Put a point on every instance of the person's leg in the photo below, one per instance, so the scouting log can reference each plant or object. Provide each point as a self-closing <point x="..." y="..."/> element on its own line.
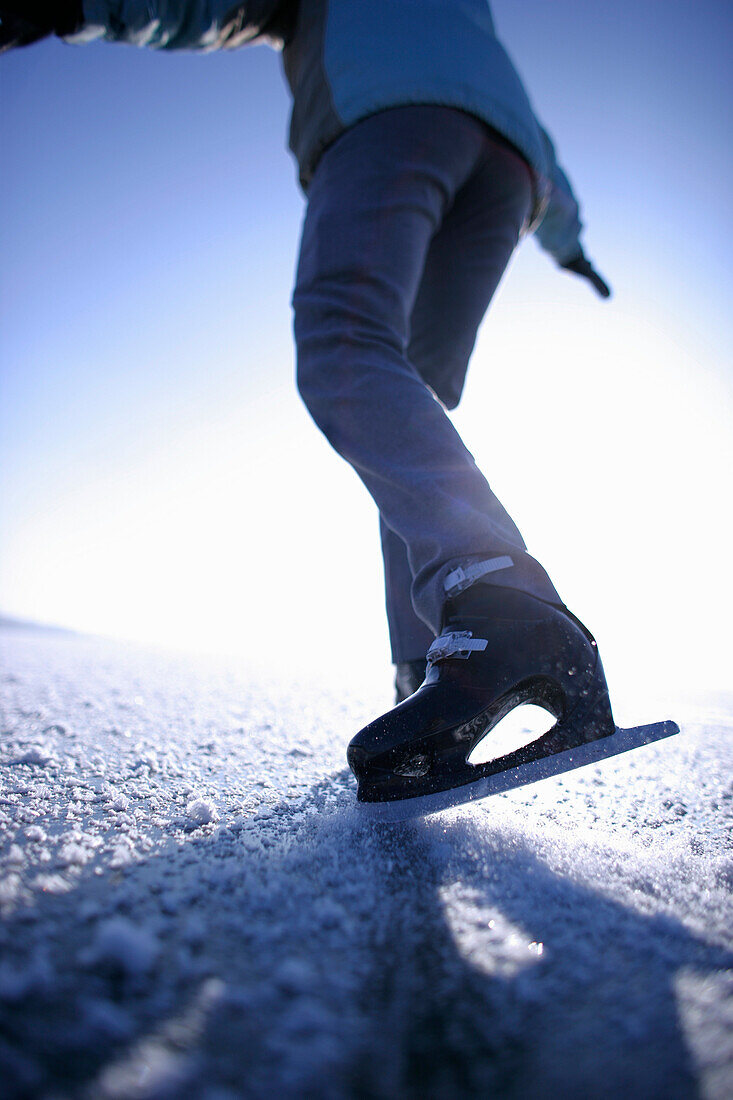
<point x="378" y="197"/>
<point x="464" y="264"/>
<point x="409" y="637"/>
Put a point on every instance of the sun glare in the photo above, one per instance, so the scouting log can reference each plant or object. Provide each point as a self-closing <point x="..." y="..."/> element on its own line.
<point x="244" y="534"/>
<point x="520" y="727"/>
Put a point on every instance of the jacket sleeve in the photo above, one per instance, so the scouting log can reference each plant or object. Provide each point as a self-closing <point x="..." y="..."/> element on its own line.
<point x="559" y="231"/>
<point x="201" y="25"/>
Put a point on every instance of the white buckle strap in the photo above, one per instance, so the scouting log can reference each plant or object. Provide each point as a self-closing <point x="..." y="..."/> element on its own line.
<point x="459" y="643"/>
<point x="464" y="576"/>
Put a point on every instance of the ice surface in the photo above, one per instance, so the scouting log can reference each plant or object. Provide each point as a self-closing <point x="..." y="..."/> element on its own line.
<point x="193" y="907"/>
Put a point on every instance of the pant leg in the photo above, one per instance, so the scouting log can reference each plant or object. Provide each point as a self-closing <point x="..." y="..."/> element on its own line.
<point x="455" y="292"/>
<point x="464" y="266"/>
<point x="378" y="197"/>
<point x="409" y="637"/>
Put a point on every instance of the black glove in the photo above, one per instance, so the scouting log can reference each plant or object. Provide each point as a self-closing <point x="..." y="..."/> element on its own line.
<point x="25" y="21"/>
<point x="16" y="32"/>
<point x="580" y="266"/>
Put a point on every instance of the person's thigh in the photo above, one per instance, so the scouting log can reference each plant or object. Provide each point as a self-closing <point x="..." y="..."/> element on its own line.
<point x="464" y="265"/>
<point x="378" y="197"/>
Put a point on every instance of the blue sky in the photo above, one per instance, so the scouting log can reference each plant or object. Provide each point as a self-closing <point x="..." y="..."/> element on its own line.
<point x="159" y="477"/>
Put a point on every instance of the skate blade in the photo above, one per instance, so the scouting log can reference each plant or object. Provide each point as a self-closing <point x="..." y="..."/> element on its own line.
<point x="591" y="753"/>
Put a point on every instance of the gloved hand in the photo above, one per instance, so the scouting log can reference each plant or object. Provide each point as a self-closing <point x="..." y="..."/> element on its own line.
<point x="579" y="265"/>
<point x="16" y="32"/>
<point x="25" y="21"/>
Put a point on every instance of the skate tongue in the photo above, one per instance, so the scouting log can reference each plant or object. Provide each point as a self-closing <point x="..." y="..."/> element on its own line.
<point x="457" y="643"/>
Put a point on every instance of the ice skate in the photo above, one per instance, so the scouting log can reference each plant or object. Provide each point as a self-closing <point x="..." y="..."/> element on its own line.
<point x="499" y="648"/>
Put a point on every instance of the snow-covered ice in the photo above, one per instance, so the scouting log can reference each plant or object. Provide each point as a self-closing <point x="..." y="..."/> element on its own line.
<point x="194" y="907"/>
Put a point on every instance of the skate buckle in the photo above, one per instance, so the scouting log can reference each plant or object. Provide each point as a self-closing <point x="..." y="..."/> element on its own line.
<point x="463" y="577"/>
<point x="458" y="643"/>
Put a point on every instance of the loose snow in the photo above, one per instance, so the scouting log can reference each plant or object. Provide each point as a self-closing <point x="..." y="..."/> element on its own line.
<point x="194" y="906"/>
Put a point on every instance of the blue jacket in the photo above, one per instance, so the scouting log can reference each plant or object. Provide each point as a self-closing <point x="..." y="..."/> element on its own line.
<point x="346" y="59"/>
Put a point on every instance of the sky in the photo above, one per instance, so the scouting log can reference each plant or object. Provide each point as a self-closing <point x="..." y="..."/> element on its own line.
<point x="159" y="477"/>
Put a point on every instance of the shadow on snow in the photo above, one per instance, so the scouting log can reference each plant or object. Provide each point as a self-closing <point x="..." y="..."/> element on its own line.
<point x="325" y="956"/>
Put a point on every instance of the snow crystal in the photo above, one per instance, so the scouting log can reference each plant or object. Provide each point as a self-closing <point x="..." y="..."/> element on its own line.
<point x="35" y="755"/>
<point x="83" y="794"/>
<point x="35" y="833"/>
<point x="147" y="761"/>
<point x="10" y="886"/>
<point x="122" y="945"/>
<point x="52" y="884"/>
<point x="123" y="854"/>
<point x="201" y="811"/>
<point x="73" y="854"/>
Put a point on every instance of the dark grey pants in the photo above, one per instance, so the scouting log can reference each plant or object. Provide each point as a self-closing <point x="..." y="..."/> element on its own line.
<point x="412" y="217"/>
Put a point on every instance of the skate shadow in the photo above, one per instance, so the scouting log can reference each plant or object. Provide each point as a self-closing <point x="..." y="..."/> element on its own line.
<point x="316" y="954"/>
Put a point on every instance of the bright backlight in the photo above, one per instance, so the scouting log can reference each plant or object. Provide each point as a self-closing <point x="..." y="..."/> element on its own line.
<point x="520" y="727"/>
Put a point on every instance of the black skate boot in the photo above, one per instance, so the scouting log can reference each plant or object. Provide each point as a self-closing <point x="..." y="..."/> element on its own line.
<point x="499" y="648"/>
